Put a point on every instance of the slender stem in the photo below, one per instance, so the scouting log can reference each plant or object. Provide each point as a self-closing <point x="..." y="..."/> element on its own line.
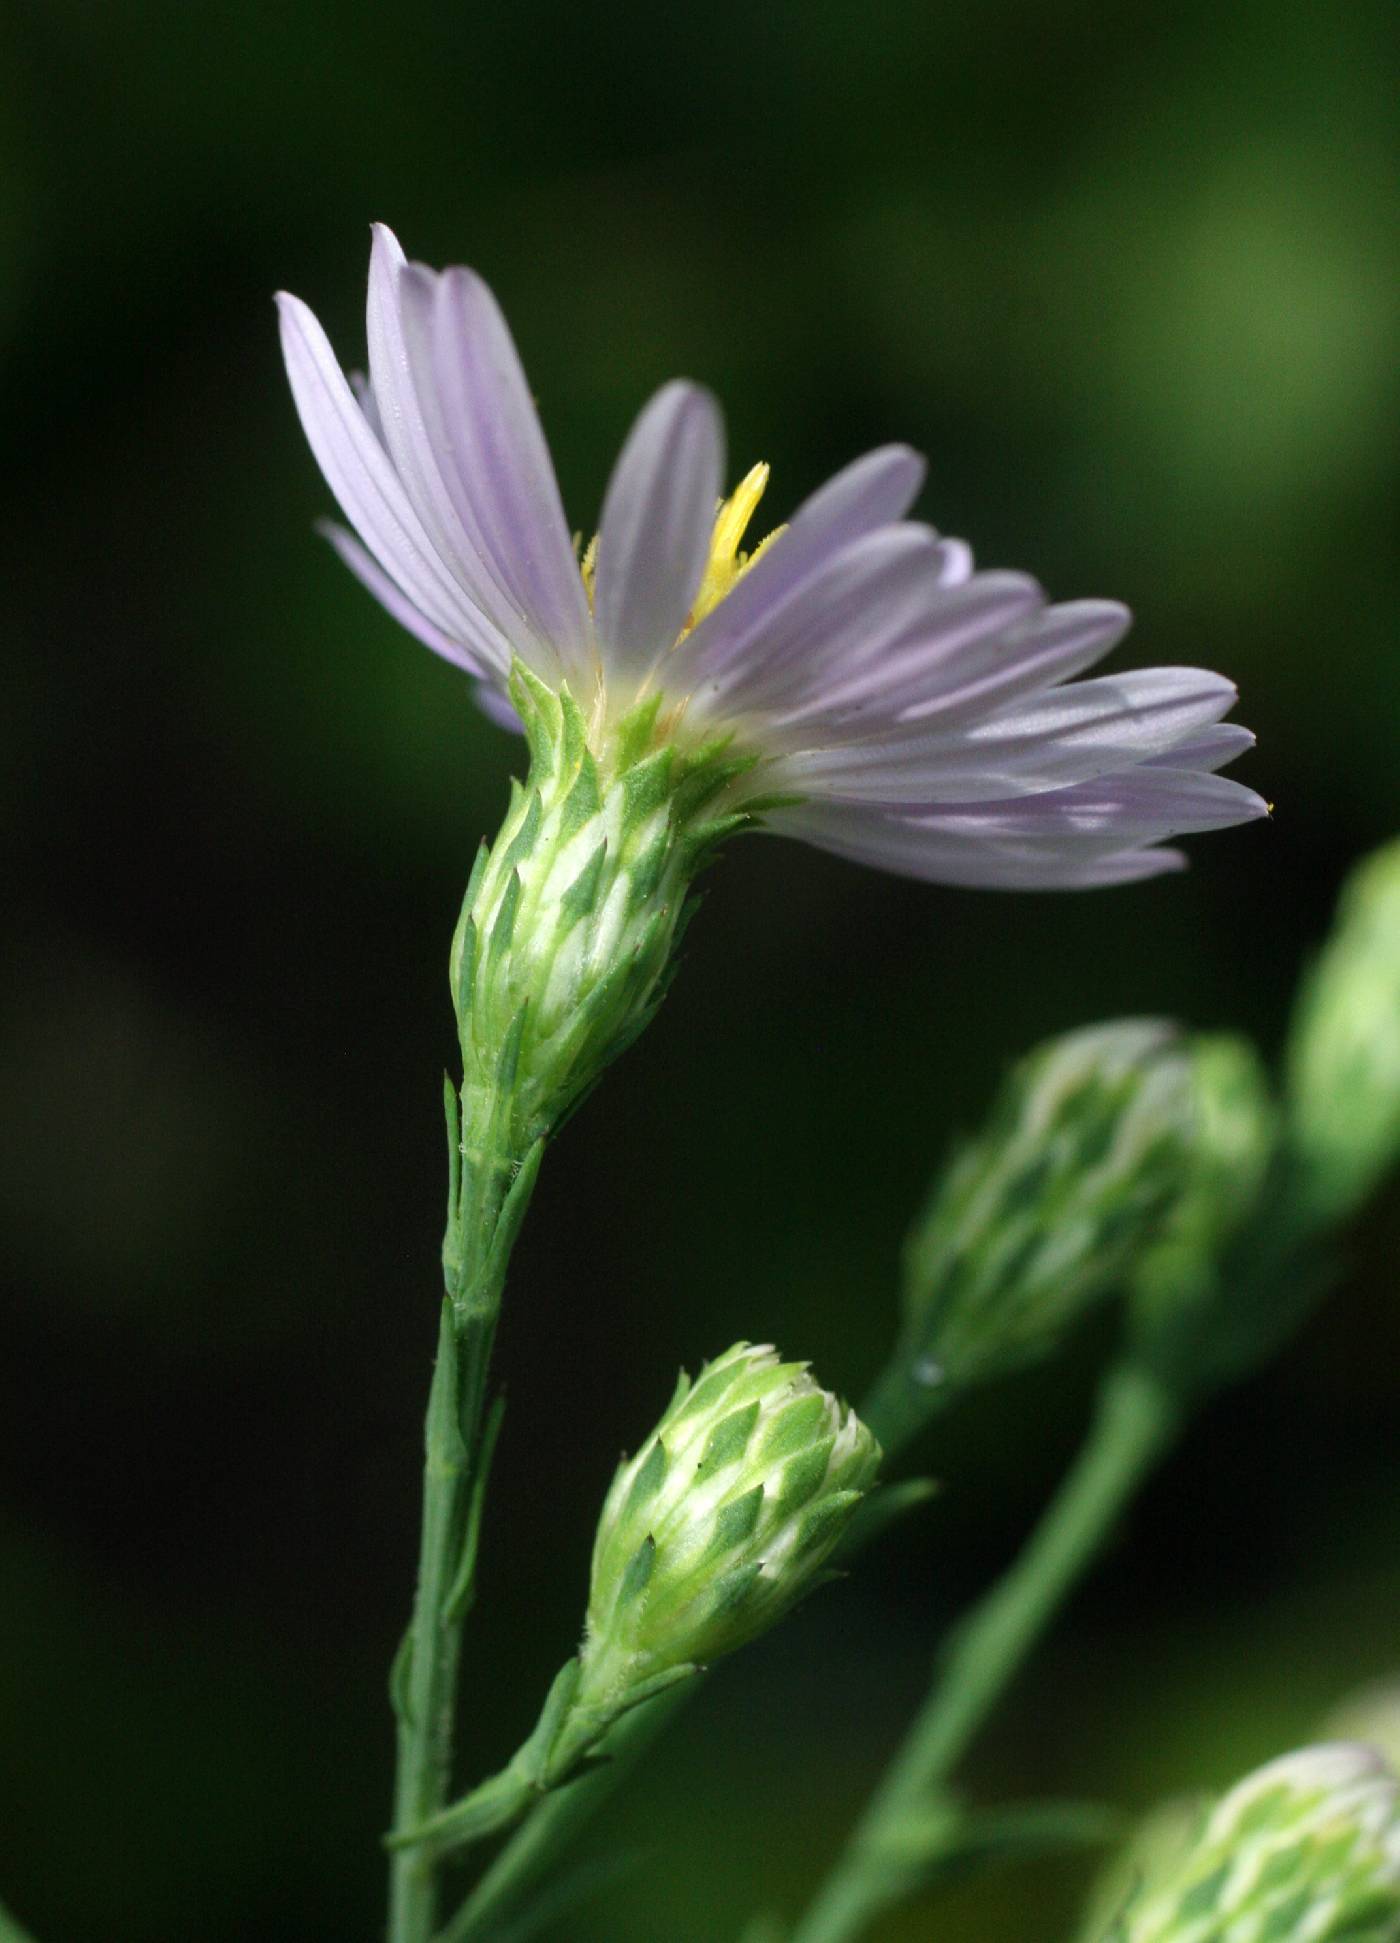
<point x="557" y="1819"/>
<point x="1132" y="1427"/>
<point x="489" y="1186"/>
<point x="427" y="1697"/>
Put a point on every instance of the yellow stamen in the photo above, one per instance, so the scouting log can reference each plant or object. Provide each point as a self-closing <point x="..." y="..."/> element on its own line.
<point x="588" y="566"/>
<point x="726" y="564"/>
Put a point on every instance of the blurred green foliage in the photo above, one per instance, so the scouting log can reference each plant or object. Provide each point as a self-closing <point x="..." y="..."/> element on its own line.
<point x="1124" y="276"/>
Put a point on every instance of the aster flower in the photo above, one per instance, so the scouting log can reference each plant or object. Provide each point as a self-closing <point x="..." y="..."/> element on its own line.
<point x="896" y="706"/>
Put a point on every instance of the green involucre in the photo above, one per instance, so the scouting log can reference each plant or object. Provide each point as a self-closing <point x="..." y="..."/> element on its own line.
<point x="722" y="1520"/>
<point x="1086" y="1148"/>
<point x="1307" y="1847"/>
<point x="569" y="927"/>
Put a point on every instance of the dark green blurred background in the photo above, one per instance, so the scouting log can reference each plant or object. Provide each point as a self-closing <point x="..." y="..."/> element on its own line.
<point x="1124" y="276"/>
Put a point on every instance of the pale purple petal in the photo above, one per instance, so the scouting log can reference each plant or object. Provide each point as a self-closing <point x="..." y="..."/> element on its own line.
<point x="982" y="859"/>
<point x="872" y="492"/>
<point x="654" y="535"/>
<point x="957" y="634"/>
<point x="1067" y="735"/>
<point x="1135" y="807"/>
<point x="504" y="463"/>
<point x="359" y="473"/>
<point x="394" y="602"/>
<point x="861" y="603"/>
<point x="1209" y="748"/>
<point x="408" y="415"/>
<point x="987" y="675"/>
<point x="364" y="397"/>
<point x="485" y="690"/>
<point x="956" y="562"/>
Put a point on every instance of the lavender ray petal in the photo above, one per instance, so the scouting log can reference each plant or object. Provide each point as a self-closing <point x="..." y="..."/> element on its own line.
<point x="906" y="845"/>
<point x="859" y="605"/>
<point x="1058" y="644"/>
<point x="654" y="533"/>
<point x="420" y="294"/>
<point x="1068" y="735"/>
<point x="959" y="633"/>
<point x="357" y="470"/>
<point x="405" y="407"/>
<point x="504" y="466"/>
<point x="957" y="563"/>
<point x="1209" y="748"/>
<point x="872" y="492"/>
<point x="398" y="604"/>
<point x="364" y="397"/>
<point x="485" y="691"/>
<point x="1128" y="811"/>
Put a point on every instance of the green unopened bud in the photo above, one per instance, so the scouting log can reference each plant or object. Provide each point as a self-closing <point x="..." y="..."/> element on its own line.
<point x="720" y="1523"/>
<point x="567" y="934"/>
<point x="1307" y="1847"/>
<point x="1180" y="1305"/>
<point x="1038" y="1217"/>
<point x="1344" y="1047"/>
<point x="723" y="1519"/>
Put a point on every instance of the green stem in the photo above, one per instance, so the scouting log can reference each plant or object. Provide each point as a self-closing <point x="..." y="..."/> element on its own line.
<point x="557" y="1820"/>
<point x="1133" y="1426"/>
<point x="489" y="1188"/>
<point x="426" y="1698"/>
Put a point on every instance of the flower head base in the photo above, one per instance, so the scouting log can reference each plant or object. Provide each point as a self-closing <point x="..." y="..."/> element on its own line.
<point x="567" y="935"/>
<point x="898" y="707"/>
<point x="1038" y="1216"/>
<point x="1305" y="1850"/>
<point x="1344" y="1052"/>
<point x="722" y="1520"/>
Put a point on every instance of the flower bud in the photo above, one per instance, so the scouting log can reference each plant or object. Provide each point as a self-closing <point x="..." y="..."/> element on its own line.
<point x="1306" y="1847"/>
<point x="1179" y="1305"/>
<point x="722" y="1520"/>
<point x="1344" y="1047"/>
<point x="565" y="943"/>
<point x="720" y="1523"/>
<point x="1038" y="1217"/>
